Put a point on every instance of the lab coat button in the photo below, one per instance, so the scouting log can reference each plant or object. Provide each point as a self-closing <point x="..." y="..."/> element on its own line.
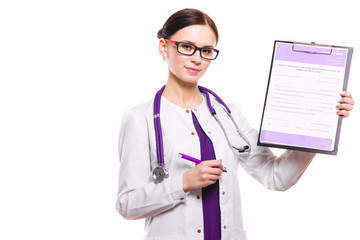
<point x="198" y="197"/>
<point x="209" y="132"/>
<point x="187" y="111"/>
<point x="199" y="231"/>
<point x="223" y="193"/>
<point x="195" y="109"/>
<point x="224" y="226"/>
<point x="182" y="199"/>
<point x="192" y="133"/>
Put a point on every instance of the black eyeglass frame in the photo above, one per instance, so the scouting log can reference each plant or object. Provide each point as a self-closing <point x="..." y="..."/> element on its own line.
<point x="196" y="48"/>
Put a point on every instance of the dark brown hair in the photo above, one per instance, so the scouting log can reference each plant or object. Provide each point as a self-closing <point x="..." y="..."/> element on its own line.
<point x="184" y="18"/>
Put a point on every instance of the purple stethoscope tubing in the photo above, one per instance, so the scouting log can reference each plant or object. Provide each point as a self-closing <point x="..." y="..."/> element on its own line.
<point x="158" y="130"/>
<point x="207" y="91"/>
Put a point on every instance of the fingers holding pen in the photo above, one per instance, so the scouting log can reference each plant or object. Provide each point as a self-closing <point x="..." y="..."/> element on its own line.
<point x="202" y="175"/>
<point x="214" y="164"/>
<point x="211" y="169"/>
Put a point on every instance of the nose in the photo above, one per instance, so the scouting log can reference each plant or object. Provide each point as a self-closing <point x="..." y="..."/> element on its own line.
<point x="196" y="57"/>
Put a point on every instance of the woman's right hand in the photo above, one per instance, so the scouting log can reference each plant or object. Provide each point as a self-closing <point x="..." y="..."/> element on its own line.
<point x="202" y="175"/>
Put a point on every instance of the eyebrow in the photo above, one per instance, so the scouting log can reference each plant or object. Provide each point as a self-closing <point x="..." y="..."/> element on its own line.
<point x="204" y="46"/>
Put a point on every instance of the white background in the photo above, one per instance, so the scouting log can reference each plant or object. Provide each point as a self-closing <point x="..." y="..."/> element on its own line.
<point x="70" y="69"/>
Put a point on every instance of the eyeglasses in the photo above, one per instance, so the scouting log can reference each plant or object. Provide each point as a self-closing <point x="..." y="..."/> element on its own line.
<point x="189" y="49"/>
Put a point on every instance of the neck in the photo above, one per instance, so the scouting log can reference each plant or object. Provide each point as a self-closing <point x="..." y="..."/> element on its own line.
<point x="185" y="96"/>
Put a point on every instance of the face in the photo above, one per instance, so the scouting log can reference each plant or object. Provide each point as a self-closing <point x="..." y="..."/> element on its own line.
<point x="188" y="69"/>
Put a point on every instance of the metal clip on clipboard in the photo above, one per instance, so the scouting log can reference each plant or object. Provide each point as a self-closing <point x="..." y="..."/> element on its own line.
<point x="312" y="48"/>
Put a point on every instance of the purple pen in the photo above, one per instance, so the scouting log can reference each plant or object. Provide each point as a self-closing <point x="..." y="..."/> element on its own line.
<point x="184" y="156"/>
<point x="192" y="159"/>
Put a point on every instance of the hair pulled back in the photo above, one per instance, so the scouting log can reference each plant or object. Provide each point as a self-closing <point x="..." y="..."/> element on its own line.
<point x="184" y="18"/>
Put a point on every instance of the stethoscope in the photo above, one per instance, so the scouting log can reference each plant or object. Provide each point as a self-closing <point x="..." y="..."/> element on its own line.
<point x="160" y="173"/>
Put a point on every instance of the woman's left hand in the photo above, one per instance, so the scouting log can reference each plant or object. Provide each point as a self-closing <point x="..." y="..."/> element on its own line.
<point x="346" y="104"/>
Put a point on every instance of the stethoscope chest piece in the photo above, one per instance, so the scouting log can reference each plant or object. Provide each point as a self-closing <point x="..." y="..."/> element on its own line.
<point x="159" y="174"/>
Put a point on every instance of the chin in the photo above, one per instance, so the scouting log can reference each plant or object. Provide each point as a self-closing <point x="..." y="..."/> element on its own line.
<point x="192" y="79"/>
<point x="188" y="80"/>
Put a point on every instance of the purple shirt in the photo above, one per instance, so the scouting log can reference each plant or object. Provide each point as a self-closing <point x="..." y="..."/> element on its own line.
<point x="210" y="194"/>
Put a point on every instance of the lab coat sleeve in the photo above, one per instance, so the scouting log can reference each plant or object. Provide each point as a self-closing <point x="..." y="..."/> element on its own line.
<point x="275" y="173"/>
<point x="138" y="195"/>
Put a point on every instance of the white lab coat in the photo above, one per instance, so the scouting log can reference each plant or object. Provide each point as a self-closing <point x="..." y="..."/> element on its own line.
<point x="170" y="212"/>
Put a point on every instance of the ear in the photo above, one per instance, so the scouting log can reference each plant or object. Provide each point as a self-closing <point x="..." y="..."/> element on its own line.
<point x="163" y="48"/>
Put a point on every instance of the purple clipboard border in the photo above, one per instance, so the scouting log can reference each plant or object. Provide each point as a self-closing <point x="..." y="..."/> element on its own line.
<point x="300" y="142"/>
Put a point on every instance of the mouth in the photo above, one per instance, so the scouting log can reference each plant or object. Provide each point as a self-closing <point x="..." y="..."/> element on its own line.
<point x="193" y="70"/>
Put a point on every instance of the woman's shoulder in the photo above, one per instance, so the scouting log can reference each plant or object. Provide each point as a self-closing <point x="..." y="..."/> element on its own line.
<point x="140" y="111"/>
<point x="235" y="108"/>
<point x="143" y="107"/>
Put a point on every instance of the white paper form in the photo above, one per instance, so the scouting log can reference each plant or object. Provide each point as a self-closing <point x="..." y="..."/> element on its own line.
<point x="303" y="91"/>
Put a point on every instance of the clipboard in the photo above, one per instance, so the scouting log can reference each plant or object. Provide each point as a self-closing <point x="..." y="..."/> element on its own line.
<point x="304" y="85"/>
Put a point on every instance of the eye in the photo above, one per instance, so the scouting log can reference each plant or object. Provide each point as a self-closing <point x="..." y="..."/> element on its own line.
<point x="207" y="51"/>
<point x="187" y="46"/>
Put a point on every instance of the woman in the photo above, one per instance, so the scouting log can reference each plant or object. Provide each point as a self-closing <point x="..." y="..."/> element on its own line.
<point x="195" y="201"/>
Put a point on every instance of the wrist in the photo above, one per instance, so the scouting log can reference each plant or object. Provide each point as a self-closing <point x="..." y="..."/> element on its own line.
<point x="184" y="184"/>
